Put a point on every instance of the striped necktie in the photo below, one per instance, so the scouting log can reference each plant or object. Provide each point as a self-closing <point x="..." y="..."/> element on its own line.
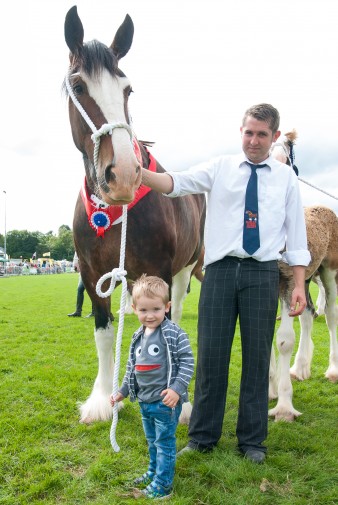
<point x="251" y="226"/>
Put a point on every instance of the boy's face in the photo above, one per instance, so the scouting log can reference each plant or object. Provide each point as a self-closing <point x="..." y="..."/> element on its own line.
<point x="150" y="311"/>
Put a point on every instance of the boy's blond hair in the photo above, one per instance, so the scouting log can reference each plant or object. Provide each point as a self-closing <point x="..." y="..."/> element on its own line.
<point x="151" y="287"/>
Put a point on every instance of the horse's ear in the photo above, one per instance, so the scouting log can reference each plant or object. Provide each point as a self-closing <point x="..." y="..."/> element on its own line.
<point x="74" y="32"/>
<point x="123" y="38"/>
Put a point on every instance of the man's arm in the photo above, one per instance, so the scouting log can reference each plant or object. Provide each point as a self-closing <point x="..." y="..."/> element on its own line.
<point x="298" y="298"/>
<point x="162" y="183"/>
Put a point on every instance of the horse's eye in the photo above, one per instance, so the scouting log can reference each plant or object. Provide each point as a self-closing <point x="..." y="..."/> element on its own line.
<point x="78" y="89"/>
<point x="130" y="91"/>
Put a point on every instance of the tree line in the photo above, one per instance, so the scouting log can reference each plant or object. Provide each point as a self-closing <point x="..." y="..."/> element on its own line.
<point x="22" y="243"/>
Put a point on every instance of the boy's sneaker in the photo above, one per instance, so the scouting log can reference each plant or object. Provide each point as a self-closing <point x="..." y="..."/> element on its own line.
<point x="156" y="493"/>
<point x="144" y="480"/>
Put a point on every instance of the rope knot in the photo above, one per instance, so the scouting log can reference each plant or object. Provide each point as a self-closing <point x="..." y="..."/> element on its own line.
<point x="116" y="275"/>
<point x="104" y="130"/>
<point x="119" y="274"/>
<point x="108" y="128"/>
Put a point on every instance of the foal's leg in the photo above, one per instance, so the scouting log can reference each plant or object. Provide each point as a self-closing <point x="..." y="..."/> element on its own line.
<point x="321" y="299"/>
<point x="329" y="281"/>
<point x="273" y="380"/>
<point x="284" y="409"/>
<point x="301" y="368"/>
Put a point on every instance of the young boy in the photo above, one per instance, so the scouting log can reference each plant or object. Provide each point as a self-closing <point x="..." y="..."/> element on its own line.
<point x="159" y="369"/>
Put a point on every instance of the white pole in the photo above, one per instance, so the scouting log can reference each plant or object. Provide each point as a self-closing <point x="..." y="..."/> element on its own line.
<point x="5" y="227"/>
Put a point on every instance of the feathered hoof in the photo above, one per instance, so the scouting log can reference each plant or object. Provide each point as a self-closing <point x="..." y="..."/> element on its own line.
<point x="332" y="375"/>
<point x="286" y="415"/>
<point x="300" y="373"/>
<point x="95" y="409"/>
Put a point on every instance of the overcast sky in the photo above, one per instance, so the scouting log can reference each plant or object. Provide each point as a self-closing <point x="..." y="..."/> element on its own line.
<point x="195" y="67"/>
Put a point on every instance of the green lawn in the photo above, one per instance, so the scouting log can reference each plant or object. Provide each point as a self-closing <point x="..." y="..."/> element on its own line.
<point x="48" y="363"/>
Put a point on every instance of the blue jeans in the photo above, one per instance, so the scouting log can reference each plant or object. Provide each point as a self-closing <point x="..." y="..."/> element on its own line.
<point x="159" y="424"/>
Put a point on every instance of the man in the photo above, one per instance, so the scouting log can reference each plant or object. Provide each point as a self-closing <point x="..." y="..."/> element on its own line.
<point x="80" y="291"/>
<point x="241" y="275"/>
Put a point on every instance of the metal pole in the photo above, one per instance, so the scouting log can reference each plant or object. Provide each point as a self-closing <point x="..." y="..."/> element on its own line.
<point x="5" y="227"/>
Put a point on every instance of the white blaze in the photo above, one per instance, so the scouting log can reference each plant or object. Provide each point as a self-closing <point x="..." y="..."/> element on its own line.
<point x="108" y="93"/>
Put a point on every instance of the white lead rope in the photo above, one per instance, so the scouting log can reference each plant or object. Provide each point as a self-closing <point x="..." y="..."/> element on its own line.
<point x="280" y="144"/>
<point x="319" y="189"/>
<point x="117" y="274"/>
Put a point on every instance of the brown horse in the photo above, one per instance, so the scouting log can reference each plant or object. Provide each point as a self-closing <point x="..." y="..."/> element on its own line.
<point x="164" y="236"/>
<point x="322" y="235"/>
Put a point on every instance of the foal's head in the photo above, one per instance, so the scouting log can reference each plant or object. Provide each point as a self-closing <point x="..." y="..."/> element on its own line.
<point x="99" y="93"/>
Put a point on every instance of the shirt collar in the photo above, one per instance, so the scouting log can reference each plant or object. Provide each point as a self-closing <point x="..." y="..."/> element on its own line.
<point x="268" y="161"/>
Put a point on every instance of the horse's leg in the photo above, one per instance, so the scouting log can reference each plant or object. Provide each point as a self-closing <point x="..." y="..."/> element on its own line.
<point x="186" y="413"/>
<point x="321" y="299"/>
<point x="301" y="368"/>
<point x="273" y="383"/>
<point x="285" y="342"/>
<point x="128" y="308"/>
<point x="329" y="281"/>
<point x="179" y="292"/>
<point x="97" y="407"/>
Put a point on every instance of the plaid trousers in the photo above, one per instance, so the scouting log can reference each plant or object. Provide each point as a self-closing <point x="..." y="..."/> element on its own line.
<point x="233" y="288"/>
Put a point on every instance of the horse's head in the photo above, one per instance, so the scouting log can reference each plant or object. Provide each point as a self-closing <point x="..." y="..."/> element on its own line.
<point x="283" y="149"/>
<point x="98" y="111"/>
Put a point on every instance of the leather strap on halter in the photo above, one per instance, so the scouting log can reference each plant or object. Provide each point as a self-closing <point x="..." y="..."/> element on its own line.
<point x="101" y="216"/>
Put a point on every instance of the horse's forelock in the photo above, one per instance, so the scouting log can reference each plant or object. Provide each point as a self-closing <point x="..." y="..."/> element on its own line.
<point x="97" y="57"/>
<point x="292" y="136"/>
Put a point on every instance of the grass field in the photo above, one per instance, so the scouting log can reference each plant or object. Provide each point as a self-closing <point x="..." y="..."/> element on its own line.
<point x="48" y="363"/>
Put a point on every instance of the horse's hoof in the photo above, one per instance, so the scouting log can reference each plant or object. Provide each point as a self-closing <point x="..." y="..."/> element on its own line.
<point x="87" y="421"/>
<point x="284" y="415"/>
<point x="331" y="376"/>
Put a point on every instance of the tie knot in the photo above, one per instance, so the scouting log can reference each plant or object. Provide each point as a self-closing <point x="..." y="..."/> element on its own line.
<point x="254" y="167"/>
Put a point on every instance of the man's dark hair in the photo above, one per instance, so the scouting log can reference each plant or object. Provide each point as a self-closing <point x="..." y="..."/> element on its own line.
<point x="264" y="112"/>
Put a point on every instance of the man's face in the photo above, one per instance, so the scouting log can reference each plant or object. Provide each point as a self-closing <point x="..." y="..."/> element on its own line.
<point x="257" y="139"/>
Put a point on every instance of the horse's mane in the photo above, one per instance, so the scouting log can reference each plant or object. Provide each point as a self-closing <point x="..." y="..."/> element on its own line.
<point x="147" y="143"/>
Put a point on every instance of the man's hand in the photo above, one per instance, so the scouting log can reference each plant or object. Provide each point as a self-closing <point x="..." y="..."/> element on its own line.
<point x="298" y="302"/>
<point x="298" y="298"/>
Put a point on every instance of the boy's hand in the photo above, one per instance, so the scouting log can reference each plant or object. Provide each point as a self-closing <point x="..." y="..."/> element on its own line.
<point x="170" y="397"/>
<point x="118" y="398"/>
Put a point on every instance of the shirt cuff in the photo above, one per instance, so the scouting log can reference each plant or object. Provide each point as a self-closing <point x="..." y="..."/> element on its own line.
<point x="295" y="258"/>
<point x="176" y="187"/>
